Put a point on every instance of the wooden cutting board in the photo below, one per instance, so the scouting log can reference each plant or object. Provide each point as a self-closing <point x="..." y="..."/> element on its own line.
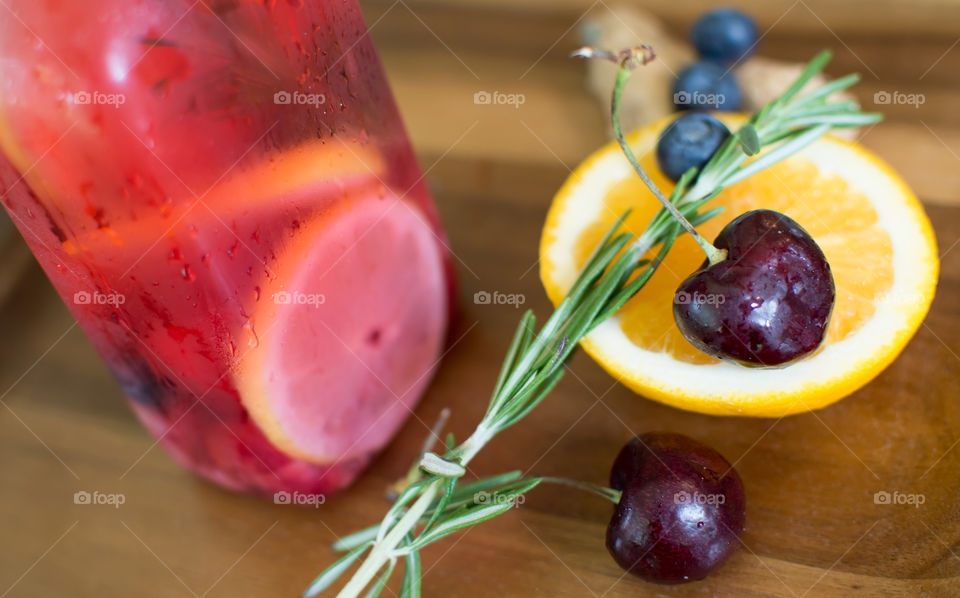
<point x="813" y="527"/>
<point x="15" y="258"/>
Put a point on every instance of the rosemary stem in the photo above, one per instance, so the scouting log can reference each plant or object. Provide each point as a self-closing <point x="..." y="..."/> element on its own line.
<point x="472" y="445"/>
<point x="383" y="551"/>
<point x="714" y="255"/>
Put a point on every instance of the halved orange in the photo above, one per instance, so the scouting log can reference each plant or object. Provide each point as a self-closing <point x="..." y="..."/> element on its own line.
<point x="871" y="227"/>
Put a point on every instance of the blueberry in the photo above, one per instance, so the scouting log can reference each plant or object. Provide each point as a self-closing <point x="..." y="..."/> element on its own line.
<point x="689" y="141"/>
<point x="724" y="35"/>
<point x="706" y="85"/>
<point x="141" y="382"/>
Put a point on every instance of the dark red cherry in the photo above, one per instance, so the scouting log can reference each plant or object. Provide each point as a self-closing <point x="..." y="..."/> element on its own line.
<point x="681" y="511"/>
<point x="768" y="303"/>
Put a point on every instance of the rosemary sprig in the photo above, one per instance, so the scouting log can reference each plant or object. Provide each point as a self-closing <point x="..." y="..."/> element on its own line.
<point x="435" y="504"/>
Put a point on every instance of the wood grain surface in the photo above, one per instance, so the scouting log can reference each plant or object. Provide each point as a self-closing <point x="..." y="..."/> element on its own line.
<point x="813" y="527"/>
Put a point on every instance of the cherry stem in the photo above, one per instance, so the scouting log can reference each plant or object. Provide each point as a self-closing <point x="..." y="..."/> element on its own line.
<point x="627" y="60"/>
<point x="607" y="493"/>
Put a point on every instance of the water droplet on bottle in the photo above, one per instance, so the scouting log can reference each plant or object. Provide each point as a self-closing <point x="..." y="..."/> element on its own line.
<point x="187" y="273"/>
<point x="252" y="339"/>
<point x="256" y="293"/>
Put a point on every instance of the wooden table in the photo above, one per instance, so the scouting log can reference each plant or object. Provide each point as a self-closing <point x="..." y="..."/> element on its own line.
<point x="813" y="528"/>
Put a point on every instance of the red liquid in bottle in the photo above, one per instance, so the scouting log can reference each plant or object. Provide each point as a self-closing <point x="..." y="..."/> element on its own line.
<point x="227" y="201"/>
